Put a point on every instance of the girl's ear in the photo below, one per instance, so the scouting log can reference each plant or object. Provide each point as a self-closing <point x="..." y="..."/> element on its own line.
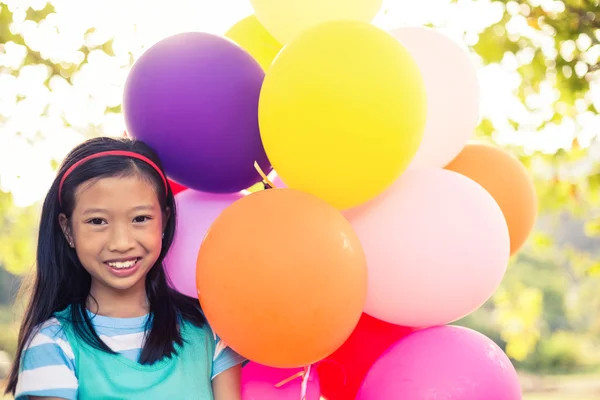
<point x="64" y="225"/>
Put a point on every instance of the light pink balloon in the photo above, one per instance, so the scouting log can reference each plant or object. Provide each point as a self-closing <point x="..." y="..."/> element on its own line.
<point x="447" y="362"/>
<point x="276" y="180"/>
<point x="452" y="94"/>
<point x="196" y="211"/>
<point x="258" y="383"/>
<point x="437" y="247"/>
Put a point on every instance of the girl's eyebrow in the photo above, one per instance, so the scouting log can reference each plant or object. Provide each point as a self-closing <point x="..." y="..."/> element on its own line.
<point x="145" y="207"/>
<point x="94" y="211"/>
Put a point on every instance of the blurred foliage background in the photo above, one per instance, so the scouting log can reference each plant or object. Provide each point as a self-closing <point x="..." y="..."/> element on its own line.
<point x="63" y="64"/>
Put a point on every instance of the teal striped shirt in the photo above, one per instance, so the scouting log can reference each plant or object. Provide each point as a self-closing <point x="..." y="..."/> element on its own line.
<point x="48" y="365"/>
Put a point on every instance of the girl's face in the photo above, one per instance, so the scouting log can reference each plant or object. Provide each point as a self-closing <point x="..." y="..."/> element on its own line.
<point x="116" y="229"/>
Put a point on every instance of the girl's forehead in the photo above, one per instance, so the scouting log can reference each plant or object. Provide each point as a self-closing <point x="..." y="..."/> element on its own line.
<point x="116" y="193"/>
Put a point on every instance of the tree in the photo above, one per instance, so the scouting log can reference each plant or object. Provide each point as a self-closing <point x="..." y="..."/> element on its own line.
<point x="17" y="236"/>
<point x="555" y="48"/>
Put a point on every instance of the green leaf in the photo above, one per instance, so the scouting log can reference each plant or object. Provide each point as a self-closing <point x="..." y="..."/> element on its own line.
<point x="594" y="270"/>
<point x="592" y="228"/>
<point x="541" y="240"/>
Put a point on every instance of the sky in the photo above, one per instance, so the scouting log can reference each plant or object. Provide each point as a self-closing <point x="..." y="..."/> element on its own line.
<point x="40" y="124"/>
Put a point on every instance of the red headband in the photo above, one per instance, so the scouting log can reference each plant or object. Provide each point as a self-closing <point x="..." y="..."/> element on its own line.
<point x="111" y="153"/>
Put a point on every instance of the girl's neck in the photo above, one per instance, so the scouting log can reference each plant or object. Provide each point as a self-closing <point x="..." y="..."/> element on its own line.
<point x="109" y="302"/>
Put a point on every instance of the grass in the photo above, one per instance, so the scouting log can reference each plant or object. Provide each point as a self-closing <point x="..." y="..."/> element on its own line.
<point x="561" y="387"/>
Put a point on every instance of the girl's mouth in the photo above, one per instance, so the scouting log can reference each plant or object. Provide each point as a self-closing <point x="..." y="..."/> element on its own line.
<point x="123" y="268"/>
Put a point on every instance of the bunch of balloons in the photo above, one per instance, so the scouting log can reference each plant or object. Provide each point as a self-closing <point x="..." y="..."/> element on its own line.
<point x="385" y="225"/>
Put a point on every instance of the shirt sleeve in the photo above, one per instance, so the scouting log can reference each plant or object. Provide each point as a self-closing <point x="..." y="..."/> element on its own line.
<point x="47" y="365"/>
<point x="224" y="358"/>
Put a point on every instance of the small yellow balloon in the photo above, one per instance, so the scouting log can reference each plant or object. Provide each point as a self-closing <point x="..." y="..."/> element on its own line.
<point x="286" y="19"/>
<point x="252" y="36"/>
<point x="342" y="112"/>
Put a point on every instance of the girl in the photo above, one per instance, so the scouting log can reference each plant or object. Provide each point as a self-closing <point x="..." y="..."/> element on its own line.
<point x="102" y="323"/>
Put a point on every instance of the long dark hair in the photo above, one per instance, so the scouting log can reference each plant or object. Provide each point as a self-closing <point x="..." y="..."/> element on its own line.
<point x="61" y="280"/>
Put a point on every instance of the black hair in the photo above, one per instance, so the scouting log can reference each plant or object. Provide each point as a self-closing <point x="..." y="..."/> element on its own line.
<point x="60" y="279"/>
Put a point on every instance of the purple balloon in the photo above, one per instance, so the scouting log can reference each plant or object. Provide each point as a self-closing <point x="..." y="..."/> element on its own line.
<point x="445" y="362"/>
<point x="196" y="211"/>
<point x="193" y="97"/>
<point x="258" y="383"/>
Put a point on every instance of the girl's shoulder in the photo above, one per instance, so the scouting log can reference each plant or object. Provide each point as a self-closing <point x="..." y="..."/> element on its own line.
<point x="50" y="332"/>
<point x="47" y="365"/>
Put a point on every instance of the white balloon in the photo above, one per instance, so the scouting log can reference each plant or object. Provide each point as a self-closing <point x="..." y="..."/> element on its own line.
<point x="452" y="94"/>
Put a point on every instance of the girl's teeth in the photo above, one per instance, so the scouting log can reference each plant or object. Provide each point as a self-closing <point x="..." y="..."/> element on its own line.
<point x="120" y="265"/>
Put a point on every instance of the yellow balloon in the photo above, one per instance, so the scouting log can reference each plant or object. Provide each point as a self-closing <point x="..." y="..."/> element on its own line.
<point x="286" y="19"/>
<point x="342" y="112"/>
<point x="251" y="35"/>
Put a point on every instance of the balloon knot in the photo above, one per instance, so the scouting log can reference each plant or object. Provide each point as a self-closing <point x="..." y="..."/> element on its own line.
<point x="266" y="181"/>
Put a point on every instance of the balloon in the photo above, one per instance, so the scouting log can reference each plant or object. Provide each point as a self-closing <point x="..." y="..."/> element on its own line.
<point x="193" y="97"/>
<point x="446" y="362"/>
<point x="254" y="38"/>
<point x="285" y="19"/>
<point x="278" y="183"/>
<point x="196" y="211"/>
<point x="276" y="180"/>
<point x="437" y="248"/>
<point x="342" y="373"/>
<point x="258" y="383"/>
<point x="508" y="181"/>
<point x="342" y="112"/>
<point x="449" y="75"/>
<point x="176" y="187"/>
<point x="282" y="278"/>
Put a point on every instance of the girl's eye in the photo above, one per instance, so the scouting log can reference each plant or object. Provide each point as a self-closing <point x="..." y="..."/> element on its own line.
<point x="96" y="221"/>
<point x="141" y="218"/>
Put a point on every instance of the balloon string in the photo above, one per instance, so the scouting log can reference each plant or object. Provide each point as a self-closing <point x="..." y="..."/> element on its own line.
<point x="266" y="181"/>
<point x="305" y="375"/>
<point x="288" y="380"/>
<point x="305" y="378"/>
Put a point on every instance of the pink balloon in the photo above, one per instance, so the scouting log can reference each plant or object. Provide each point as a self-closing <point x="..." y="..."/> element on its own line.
<point x="446" y="362"/>
<point x="276" y="180"/>
<point x="196" y="211"/>
<point x="452" y="94"/>
<point x="437" y="247"/>
<point x="258" y="383"/>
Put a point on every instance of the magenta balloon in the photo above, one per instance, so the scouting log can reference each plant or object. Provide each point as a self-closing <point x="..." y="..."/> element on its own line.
<point x="196" y="211"/>
<point x="258" y="383"/>
<point x="193" y="97"/>
<point x="447" y="362"/>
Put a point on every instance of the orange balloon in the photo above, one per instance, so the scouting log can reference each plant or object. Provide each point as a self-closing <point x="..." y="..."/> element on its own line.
<point x="509" y="183"/>
<point x="282" y="278"/>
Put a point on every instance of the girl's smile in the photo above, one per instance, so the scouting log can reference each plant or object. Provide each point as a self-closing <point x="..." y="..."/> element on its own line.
<point x="123" y="267"/>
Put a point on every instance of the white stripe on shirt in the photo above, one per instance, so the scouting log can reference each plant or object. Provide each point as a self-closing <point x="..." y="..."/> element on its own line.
<point x="124" y="342"/>
<point x="41" y="339"/>
<point x="45" y="378"/>
<point x="51" y="322"/>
